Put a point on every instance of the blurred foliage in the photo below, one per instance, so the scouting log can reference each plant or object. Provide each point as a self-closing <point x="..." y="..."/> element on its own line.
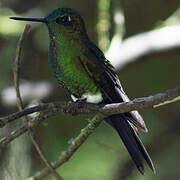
<point x="142" y="15"/>
<point x="102" y="156"/>
<point x="103" y="25"/>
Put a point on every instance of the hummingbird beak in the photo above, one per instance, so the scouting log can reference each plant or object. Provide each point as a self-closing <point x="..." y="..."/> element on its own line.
<point x="42" y="20"/>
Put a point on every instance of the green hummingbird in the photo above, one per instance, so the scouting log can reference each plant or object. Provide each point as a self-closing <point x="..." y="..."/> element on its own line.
<point x="81" y="68"/>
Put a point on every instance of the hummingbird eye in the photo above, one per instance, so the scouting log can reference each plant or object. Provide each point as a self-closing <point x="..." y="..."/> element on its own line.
<point x="63" y="20"/>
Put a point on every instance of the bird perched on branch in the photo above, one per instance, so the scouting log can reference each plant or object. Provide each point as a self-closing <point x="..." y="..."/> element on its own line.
<point x="81" y="68"/>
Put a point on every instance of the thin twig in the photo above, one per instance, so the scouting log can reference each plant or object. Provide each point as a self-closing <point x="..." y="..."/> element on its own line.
<point x="20" y="103"/>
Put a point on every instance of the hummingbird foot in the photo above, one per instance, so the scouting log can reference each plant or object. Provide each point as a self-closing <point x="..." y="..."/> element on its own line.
<point x="80" y="101"/>
<point x="75" y="99"/>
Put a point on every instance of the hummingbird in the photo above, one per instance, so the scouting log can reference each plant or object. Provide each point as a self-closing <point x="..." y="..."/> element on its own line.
<point x="82" y="69"/>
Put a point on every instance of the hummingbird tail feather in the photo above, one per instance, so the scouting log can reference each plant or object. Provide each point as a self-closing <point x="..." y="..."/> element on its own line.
<point x="132" y="141"/>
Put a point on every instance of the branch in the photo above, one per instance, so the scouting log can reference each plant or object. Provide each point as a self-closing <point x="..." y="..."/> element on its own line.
<point x="52" y="109"/>
<point x="84" y="108"/>
<point x="75" y="144"/>
<point x="24" y="128"/>
<point x="17" y="66"/>
<point x="20" y="103"/>
<point x="95" y="122"/>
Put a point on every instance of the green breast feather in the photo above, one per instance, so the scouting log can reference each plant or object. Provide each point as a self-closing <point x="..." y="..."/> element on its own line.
<point x="66" y="65"/>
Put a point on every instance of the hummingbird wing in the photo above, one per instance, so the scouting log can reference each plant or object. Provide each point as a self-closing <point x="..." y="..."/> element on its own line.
<point x="103" y="74"/>
<point x="99" y="69"/>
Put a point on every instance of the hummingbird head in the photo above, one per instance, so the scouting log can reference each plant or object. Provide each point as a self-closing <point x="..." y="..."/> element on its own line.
<point x="65" y="20"/>
<point x="61" y="21"/>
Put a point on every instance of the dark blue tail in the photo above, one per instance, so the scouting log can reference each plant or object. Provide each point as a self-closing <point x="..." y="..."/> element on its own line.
<point x="131" y="140"/>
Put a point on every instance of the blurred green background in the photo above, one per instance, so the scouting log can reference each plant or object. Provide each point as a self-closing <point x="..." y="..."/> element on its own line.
<point x="102" y="156"/>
